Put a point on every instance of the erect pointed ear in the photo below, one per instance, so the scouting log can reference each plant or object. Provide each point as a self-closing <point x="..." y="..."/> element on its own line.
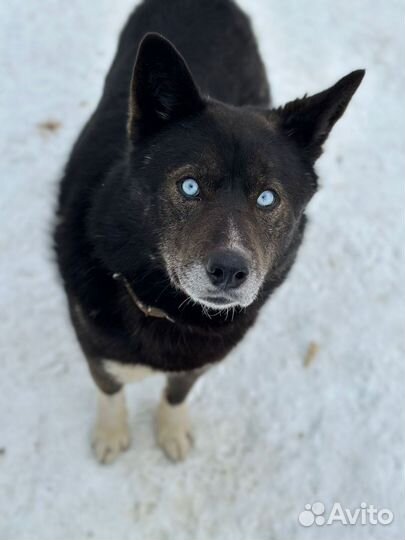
<point x="308" y="121"/>
<point x="162" y="87"/>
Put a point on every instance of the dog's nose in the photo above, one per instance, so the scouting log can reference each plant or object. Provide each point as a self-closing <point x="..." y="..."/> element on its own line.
<point x="227" y="269"/>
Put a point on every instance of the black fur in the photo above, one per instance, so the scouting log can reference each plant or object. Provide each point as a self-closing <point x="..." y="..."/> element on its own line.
<point x="118" y="203"/>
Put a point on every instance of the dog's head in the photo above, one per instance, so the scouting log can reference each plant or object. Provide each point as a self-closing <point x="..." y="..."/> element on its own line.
<point x="217" y="191"/>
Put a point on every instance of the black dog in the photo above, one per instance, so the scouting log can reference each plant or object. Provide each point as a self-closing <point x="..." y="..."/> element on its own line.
<point x="182" y="205"/>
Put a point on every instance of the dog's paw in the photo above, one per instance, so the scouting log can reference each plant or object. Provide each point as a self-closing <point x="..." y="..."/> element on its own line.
<point x="173" y="430"/>
<point x="109" y="441"/>
<point x="111" y="432"/>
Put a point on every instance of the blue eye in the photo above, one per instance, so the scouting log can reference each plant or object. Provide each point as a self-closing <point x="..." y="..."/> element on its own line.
<point x="266" y="198"/>
<point x="189" y="187"/>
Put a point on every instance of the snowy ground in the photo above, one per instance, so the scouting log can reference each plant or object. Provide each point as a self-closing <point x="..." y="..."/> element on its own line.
<point x="271" y="434"/>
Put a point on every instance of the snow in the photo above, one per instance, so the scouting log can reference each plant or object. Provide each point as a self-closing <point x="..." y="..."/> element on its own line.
<point x="272" y="434"/>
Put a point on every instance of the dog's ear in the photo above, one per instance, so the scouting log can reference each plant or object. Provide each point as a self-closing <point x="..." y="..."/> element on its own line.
<point x="162" y="87"/>
<point x="308" y="121"/>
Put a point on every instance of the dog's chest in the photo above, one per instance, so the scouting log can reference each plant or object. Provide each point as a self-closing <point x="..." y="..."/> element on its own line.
<point x="124" y="373"/>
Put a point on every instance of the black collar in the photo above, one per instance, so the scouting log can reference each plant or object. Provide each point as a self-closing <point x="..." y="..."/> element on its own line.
<point x="148" y="311"/>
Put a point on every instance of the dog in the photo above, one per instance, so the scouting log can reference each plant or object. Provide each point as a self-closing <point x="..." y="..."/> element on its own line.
<point x="182" y="206"/>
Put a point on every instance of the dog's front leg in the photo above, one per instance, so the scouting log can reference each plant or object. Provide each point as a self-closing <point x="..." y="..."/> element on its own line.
<point x="172" y="422"/>
<point x="111" y="432"/>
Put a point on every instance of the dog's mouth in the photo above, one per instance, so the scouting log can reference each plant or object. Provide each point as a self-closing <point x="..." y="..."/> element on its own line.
<point x="215" y="300"/>
<point x="218" y="302"/>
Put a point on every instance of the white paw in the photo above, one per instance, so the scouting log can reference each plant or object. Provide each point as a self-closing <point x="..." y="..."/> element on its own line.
<point x="108" y="443"/>
<point x="111" y="432"/>
<point x="173" y="430"/>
